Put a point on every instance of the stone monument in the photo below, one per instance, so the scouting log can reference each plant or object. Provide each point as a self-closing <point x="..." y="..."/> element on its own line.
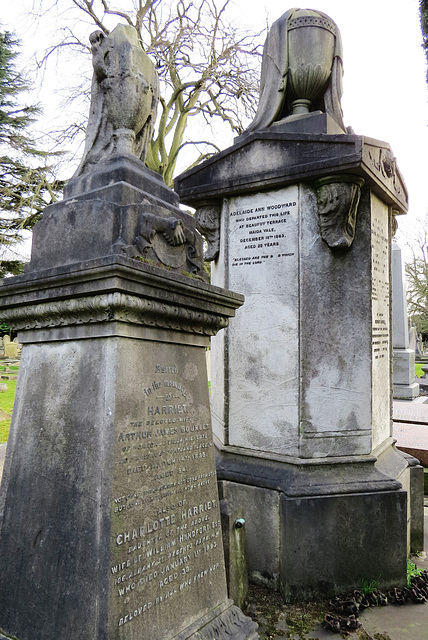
<point x="404" y="384"/>
<point x="297" y="215"/>
<point x="109" y="512"/>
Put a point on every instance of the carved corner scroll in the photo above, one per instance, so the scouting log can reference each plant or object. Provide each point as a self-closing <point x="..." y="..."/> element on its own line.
<point x="338" y="197"/>
<point x="208" y="224"/>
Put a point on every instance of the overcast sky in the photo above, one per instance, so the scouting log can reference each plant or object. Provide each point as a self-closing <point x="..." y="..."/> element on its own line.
<point x="385" y="93"/>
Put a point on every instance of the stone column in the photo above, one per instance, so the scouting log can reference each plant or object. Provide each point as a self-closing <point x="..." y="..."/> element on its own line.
<point x="110" y="518"/>
<point x="301" y="383"/>
<point x="405" y="386"/>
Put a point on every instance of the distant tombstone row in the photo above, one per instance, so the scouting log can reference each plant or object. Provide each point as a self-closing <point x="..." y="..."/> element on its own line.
<point x="10" y="347"/>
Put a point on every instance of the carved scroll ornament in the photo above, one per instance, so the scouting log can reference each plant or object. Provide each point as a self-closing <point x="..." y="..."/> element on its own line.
<point x="338" y="197"/>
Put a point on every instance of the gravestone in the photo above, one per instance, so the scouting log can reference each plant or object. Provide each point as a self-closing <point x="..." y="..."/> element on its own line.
<point x="297" y="215"/>
<point x="109" y="510"/>
<point x="404" y="384"/>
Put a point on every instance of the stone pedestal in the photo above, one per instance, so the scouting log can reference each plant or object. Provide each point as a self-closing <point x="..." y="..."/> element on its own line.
<point x="301" y="383"/>
<point x="109" y="512"/>
<point x="405" y="386"/>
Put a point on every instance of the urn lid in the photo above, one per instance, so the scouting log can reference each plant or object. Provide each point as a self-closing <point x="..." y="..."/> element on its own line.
<point x="310" y="18"/>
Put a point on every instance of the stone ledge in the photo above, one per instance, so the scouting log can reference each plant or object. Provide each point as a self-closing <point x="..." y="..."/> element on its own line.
<point x="268" y="160"/>
<point x="116" y="290"/>
<point x="320" y="477"/>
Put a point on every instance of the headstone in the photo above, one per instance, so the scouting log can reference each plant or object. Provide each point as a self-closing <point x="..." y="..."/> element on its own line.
<point x="109" y="509"/>
<point x="10" y="350"/>
<point x="297" y="216"/>
<point x="404" y="384"/>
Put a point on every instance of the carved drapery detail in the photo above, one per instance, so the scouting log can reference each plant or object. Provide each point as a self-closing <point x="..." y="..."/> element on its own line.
<point x="112" y="307"/>
<point x="167" y="240"/>
<point x="124" y="98"/>
<point x="338" y="197"/>
<point x="208" y="224"/>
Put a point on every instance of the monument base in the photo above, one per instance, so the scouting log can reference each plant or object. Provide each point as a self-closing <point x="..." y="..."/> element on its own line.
<point x="406" y="391"/>
<point x="404" y="385"/>
<point x="349" y="518"/>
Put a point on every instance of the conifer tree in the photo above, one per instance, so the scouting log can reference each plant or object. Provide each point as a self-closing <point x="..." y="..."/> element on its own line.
<point x="26" y="181"/>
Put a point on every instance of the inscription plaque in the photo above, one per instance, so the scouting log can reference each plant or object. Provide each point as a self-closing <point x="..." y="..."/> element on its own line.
<point x="263" y="233"/>
<point x="166" y="551"/>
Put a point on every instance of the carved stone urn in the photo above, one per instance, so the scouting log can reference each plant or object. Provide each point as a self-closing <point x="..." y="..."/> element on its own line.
<point x="311" y="43"/>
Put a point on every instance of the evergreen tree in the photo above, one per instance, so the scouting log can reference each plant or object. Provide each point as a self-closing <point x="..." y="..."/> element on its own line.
<point x="26" y="182"/>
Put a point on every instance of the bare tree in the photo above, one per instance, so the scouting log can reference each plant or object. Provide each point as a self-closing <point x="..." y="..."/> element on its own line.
<point x="208" y="67"/>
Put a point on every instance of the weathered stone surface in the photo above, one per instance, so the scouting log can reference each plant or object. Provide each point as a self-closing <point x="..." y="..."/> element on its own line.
<point x="118" y="217"/>
<point x="235" y="555"/>
<point x="110" y="525"/>
<point x="354" y="540"/>
<point x="302" y="69"/>
<point x="123" y="521"/>
<point x="308" y="397"/>
<point x="266" y="160"/>
<point x="301" y="407"/>
<point x="124" y="98"/>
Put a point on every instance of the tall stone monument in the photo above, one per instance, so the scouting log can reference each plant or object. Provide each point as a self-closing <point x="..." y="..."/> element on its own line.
<point x="297" y="215"/>
<point x="404" y="384"/>
<point x="109" y="513"/>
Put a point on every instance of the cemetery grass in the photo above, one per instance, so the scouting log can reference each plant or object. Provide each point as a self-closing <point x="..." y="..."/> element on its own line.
<point x="418" y="369"/>
<point x="6" y="404"/>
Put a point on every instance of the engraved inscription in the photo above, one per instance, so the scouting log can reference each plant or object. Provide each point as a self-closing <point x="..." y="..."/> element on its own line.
<point x="262" y="229"/>
<point x="166" y="535"/>
<point x="380" y="291"/>
<point x="380" y="322"/>
<point x="269" y="276"/>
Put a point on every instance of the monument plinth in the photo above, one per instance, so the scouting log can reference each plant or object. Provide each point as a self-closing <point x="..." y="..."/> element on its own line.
<point x="109" y="512"/>
<point x="300" y="222"/>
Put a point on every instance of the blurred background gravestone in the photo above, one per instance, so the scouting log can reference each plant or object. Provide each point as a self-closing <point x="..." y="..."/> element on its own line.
<point x="110" y="524"/>
<point x="404" y="382"/>
<point x="297" y="216"/>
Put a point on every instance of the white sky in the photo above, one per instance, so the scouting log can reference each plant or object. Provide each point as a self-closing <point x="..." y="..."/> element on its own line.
<point x="385" y="92"/>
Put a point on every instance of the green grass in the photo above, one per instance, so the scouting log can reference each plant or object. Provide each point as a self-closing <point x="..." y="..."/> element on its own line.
<point x="418" y="369"/>
<point x="412" y="572"/>
<point x="6" y="403"/>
